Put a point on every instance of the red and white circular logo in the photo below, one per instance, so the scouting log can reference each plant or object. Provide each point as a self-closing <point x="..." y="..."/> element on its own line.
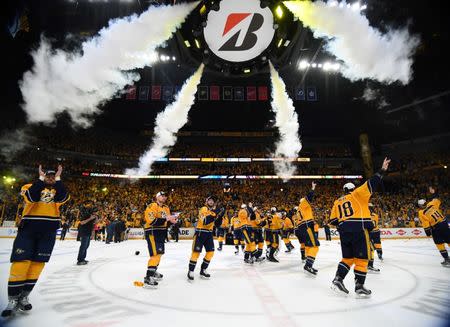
<point x="401" y="232"/>
<point x="240" y="31"/>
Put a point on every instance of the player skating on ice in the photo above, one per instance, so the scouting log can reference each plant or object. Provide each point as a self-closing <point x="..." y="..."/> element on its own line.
<point x="208" y="216"/>
<point x="288" y="229"/>
<point x="35" y="238"/>
<point x="375" y="240"/>
<point x="156" y="217"/>
<point x="297" y="219"/>
<point x="245" y="215"/>
<point x="435" y="224"/>
<point x="351" y="215"/>
<point x="258" y="224"/>
<point x="273" y="227"/>
<point x="306" y="227"/>
<point x="236" y="227"/>
<point x="222" y="231"/>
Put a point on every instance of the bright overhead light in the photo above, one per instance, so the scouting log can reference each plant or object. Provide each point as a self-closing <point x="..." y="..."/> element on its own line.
<point x="326" y="66"/>
<point x="363" y="7"/>
<point x="247" y="70"/>
<point x="174" y="58"/>
<point x="319" y="65"/>
<point x="280" y="43"/>
<point x="187" y="43"/>
<point x="197" y="43"/>
<point x="279" y="12"/>
<point x="314" y="65"/>
<point x="303" y="64"/>
<point x="336" y="66"/>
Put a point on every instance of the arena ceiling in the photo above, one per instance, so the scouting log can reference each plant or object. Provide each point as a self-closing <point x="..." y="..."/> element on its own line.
<point x="339" y="111"/>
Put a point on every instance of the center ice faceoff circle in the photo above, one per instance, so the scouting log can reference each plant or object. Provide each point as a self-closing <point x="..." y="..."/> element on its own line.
<point x="283" y="284"/>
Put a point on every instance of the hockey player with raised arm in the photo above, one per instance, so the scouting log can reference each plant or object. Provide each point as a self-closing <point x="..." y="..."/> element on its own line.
<point x="36" y="236"/>
<point x="351" y="215"/>
<point x="209" y="215"/>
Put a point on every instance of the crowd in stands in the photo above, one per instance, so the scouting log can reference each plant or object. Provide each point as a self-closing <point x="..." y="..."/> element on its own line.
<point x="126" y="201"/>
<point x="129" y="146"/>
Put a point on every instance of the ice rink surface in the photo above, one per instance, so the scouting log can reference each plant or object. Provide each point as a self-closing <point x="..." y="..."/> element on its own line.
<point x="413" y="289"/>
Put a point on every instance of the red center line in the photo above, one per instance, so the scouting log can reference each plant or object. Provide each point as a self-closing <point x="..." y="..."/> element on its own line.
<point x="272" y="306"/>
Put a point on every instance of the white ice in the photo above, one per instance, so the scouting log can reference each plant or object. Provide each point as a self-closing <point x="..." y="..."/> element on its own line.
<point x="413" y="289"/>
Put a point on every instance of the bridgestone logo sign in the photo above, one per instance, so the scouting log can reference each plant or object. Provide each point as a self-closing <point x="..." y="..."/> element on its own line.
<point x="240" y="31"/>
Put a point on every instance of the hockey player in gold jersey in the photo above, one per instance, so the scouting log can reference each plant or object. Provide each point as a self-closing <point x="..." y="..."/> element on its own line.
<point x="288" y="229"/>
<point x="222" y="231"/>
<point x="258" y="237"/>
<point x="245" y="216"/>
<point x="351" y="215"/>
<point x="435" y="224"/>
<point x="36" y="236"/>
<point x="297" y="220"/>
<point x="156" y="217"/>
<point x="236" y="227"/>
<point x="306" y="227"/>
<point x="209" y="215"/>
<point x="273" y="228"/>
<point x="375" y="240"/>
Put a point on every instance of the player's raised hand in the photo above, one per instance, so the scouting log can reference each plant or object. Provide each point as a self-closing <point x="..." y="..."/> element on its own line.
<point x="41" y="172"/>
<point x="386" y="163"/>
<point x="313" y="186"/>
<point x="431" y="189"/>
<point x="59" y="171"/>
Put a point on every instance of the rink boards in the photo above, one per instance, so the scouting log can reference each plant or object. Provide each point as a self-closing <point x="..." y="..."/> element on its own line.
<point x="188" y="233"/>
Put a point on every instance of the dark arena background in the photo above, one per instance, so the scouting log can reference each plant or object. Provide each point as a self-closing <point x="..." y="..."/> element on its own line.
<point x="224" y="162"/>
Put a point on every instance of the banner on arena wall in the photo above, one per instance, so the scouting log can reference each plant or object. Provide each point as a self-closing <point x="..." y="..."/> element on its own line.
<point x="131" y="93"/>
<point x="143" y="93"/>
<point x="8" y="232"/>
<point x="214" y="93"/>
<point x="263" y="93"/>
<point x="188" y="233"/>
<point x="9" y="223"/>
<point x="239" y="93"/>
<point x="228" y="93"/>
<point x="386" y="233"/>
<point x="138" y="233"/>
<point x="251" y="93"/>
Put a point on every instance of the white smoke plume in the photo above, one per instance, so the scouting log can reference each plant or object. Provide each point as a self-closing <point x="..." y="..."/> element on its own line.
<point x="168" y="123"/>
<point x="365" y="51"/>
<point x="373" y="95"/>
<point x="78" y="83"/>
<point x="286" y="120"/>
<point x="13" y="142"/>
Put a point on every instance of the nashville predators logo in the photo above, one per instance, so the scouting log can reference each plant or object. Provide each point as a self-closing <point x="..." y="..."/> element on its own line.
<point x="47" y="195"/>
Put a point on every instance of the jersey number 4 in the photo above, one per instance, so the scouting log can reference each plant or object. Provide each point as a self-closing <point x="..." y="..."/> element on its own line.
<point x="345" y="210"/>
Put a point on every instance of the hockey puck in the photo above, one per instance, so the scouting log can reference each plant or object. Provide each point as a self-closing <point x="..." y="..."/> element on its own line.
<point x="137" y="253"/>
